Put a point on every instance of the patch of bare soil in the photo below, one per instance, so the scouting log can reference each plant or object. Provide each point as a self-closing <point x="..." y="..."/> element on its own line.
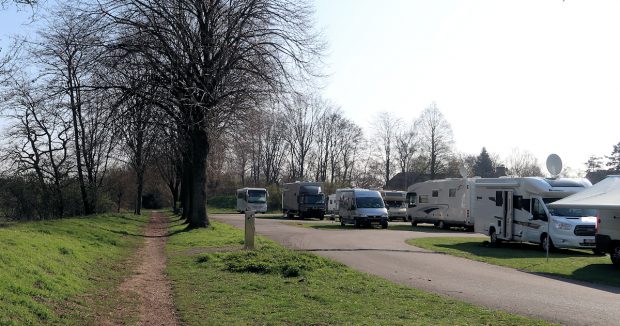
<point x="148" y="282"/>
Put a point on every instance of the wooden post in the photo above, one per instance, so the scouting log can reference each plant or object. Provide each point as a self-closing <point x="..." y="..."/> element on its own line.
<point x="249" y="230"/>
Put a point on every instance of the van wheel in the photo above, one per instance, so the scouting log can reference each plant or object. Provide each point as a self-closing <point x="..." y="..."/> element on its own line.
<point x="342" y="222"/>
<point x="384" y="225"/>
<point x="358" y="224"/>
<point x="597" y="252"/>
<point x="545" y="242"/>
<point x="413" y="222"/>
<point x="493" y="238"/>
<point x="615" y="254"/>
<point x="290" y="215"/>
<point x="443" y="225"/>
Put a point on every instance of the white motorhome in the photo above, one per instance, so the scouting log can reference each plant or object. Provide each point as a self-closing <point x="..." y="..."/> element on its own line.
<point x="362" y="207"/>
<point x="444" y="203"/>
<point x="395" y="204"/>
<point x="332" y="204"/>
<point x="605" y="198"/>
<point x="515" y="209"/>
<point x="252" y="199"/>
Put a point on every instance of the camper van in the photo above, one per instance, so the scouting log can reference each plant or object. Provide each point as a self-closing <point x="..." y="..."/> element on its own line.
<point x="515" y="209"/>
<point x="444" y="203"/>
<point x="395" y="204"/>
<point x="252" y="199"/>
<point x="362" y="207"/>
<point x="605" y="198"/>
<point x="304" y="199"/>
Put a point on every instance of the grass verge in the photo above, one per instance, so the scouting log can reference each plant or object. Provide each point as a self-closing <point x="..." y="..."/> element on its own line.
<point x="217" y="283"/>
<point x="579" y="265"/>
<point x="62" y="272"/>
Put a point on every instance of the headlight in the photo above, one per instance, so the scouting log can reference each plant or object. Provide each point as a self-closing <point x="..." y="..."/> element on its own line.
<point x="563" y="226"/>
<point x="385" y="215"/>
<point x="363" y="215"/>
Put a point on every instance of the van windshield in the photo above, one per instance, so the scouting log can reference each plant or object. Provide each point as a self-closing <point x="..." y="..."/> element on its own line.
<point x="313" y="199"/>
<point x="257" y="196"/>
<point x="369" y="202"/>
<point x="394" y="203"/>
<point x="568" y="212"/>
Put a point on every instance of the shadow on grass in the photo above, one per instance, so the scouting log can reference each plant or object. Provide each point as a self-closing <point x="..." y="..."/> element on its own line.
<point x="391" y="227"/>
<point x="509" y="250"/>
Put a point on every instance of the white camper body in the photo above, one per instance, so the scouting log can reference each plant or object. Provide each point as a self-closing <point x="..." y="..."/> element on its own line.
<point x="605" y="198"/>
<point x="515" y="209"/>
<point x="252" y="199"/>
<point x="444" y="203"/>
<point x="332" y="204"/>
<point x="362" y="207"/>
<point x="395" y="203"/>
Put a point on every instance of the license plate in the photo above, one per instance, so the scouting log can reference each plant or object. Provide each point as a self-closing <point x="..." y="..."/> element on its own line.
<point x="589" y="241"/>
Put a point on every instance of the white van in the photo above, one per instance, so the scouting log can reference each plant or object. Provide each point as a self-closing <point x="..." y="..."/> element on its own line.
<point x="395" y="204"/>
<point x="252" y="199"/>
<point x="362" y="207"/>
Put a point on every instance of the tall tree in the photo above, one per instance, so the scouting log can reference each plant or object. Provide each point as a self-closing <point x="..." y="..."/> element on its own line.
<point x="594" y="163"/>
<point x="613" y="160"/>
<point x="219" y="58"/>
<point x="386" y="127"/>
<point x="435" y="138"/>
<point x="483" y="166"/>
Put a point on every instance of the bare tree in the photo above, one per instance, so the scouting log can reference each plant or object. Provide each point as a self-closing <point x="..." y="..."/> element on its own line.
<point x="386" y="127"/>
<point x="302" y="116"/>
<point x="218" y="58"/>
<point x="406" y="147"/>
<point x="523" y="164"/>
<point x="435" y="138"/>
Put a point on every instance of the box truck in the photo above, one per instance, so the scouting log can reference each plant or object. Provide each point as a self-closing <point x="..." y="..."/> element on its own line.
<point x="304" y="199"/>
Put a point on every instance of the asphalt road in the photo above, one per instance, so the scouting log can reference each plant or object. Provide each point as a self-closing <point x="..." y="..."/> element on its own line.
<point x="384" y="253"/>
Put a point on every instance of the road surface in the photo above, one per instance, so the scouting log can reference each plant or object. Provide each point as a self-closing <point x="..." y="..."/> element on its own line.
<point x="384" y="253"/>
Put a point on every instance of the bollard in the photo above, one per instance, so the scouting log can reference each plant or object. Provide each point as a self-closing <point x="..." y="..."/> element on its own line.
<point x="249" y="230"/>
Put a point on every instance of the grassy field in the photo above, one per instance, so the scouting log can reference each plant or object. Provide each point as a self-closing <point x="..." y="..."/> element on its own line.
<point x="573" y="264"/>
<point x="217" y="283"/>
<point x="64" y="272"/>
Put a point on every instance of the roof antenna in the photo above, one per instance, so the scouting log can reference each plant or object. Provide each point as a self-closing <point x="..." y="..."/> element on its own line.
<point x="554" y="165"/>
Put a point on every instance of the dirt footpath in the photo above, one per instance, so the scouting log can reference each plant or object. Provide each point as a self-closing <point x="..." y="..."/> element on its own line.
<point x="148" y="282"/>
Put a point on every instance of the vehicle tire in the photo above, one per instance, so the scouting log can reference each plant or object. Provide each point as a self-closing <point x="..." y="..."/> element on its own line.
<point x="615" y="254"/>
<point x="384" y="225"/>
<point x="321" y="217"/>
<point x="443" y="225"/>
<point x="544" y="244"/>
<point x="342" y="222"/>
<point x="493" y="238"/>
<point x="597" y="252"/>
<point x="358" y="224"/>
<point x="413" y="222"/>
<point x="290" y="215"/>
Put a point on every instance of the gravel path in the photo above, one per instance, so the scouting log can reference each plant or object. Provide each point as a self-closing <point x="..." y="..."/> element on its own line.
<point x="148" y="282"/>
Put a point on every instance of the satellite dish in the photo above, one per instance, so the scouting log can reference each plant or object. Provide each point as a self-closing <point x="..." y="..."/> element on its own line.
<point x="554" y="165"/>
<point x="463" y="171"/>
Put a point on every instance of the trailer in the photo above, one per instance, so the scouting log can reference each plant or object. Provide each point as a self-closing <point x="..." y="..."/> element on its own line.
<point x="515" y="209"/>
<point x="304" y="199"/>
<point x="443" y="203"/>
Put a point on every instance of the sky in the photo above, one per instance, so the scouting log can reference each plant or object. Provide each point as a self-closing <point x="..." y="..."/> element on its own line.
<point x="535" y="75"/>
<point x="538" y="75"/>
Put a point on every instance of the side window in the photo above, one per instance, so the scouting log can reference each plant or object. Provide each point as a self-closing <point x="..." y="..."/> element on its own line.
<point x="435" y="193"/>
<point x="423" y="199"/>
<point x="499" y="198"/>
<point x="525" y="204"/>
<point x="516" y="201"/>
<point x="411" y="198"/>
<point x="538" y="210"/>
<point x="452" y="192"/>
<point x="240" y="195"/>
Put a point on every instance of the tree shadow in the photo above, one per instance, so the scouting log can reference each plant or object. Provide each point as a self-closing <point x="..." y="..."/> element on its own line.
<point x="510" y="250"/>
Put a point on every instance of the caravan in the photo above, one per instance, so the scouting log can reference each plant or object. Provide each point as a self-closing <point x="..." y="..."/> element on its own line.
<point x="515" y="209"/>
<point x="443" y="203"/>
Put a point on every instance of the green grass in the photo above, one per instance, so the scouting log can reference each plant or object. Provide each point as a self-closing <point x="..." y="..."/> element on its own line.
<point x="216" y="283"/>
<point x="573" y="264"/>
<point x="58" y="272"/>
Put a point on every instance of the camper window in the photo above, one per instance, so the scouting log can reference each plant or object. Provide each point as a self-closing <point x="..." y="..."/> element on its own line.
<point x="499" y="198"/>
<point x="423" y="199"/>
<point x="411" y="198"/>
<point x="538" y="210"/>
<point x="452" y="192"/>
<point x="525" y="204"/>
<point x="435" y="193"/>
<point x="241" y="194"/>
<point x="517" y="202"/>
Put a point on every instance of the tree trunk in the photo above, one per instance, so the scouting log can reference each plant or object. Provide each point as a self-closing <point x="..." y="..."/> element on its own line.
<point x="186" y="188"/>
<point x="140" y="188"/>
<point x="200" y="151"/>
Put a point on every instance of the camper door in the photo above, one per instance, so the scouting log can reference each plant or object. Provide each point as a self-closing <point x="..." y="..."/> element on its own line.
<point x="537" y="223"/>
